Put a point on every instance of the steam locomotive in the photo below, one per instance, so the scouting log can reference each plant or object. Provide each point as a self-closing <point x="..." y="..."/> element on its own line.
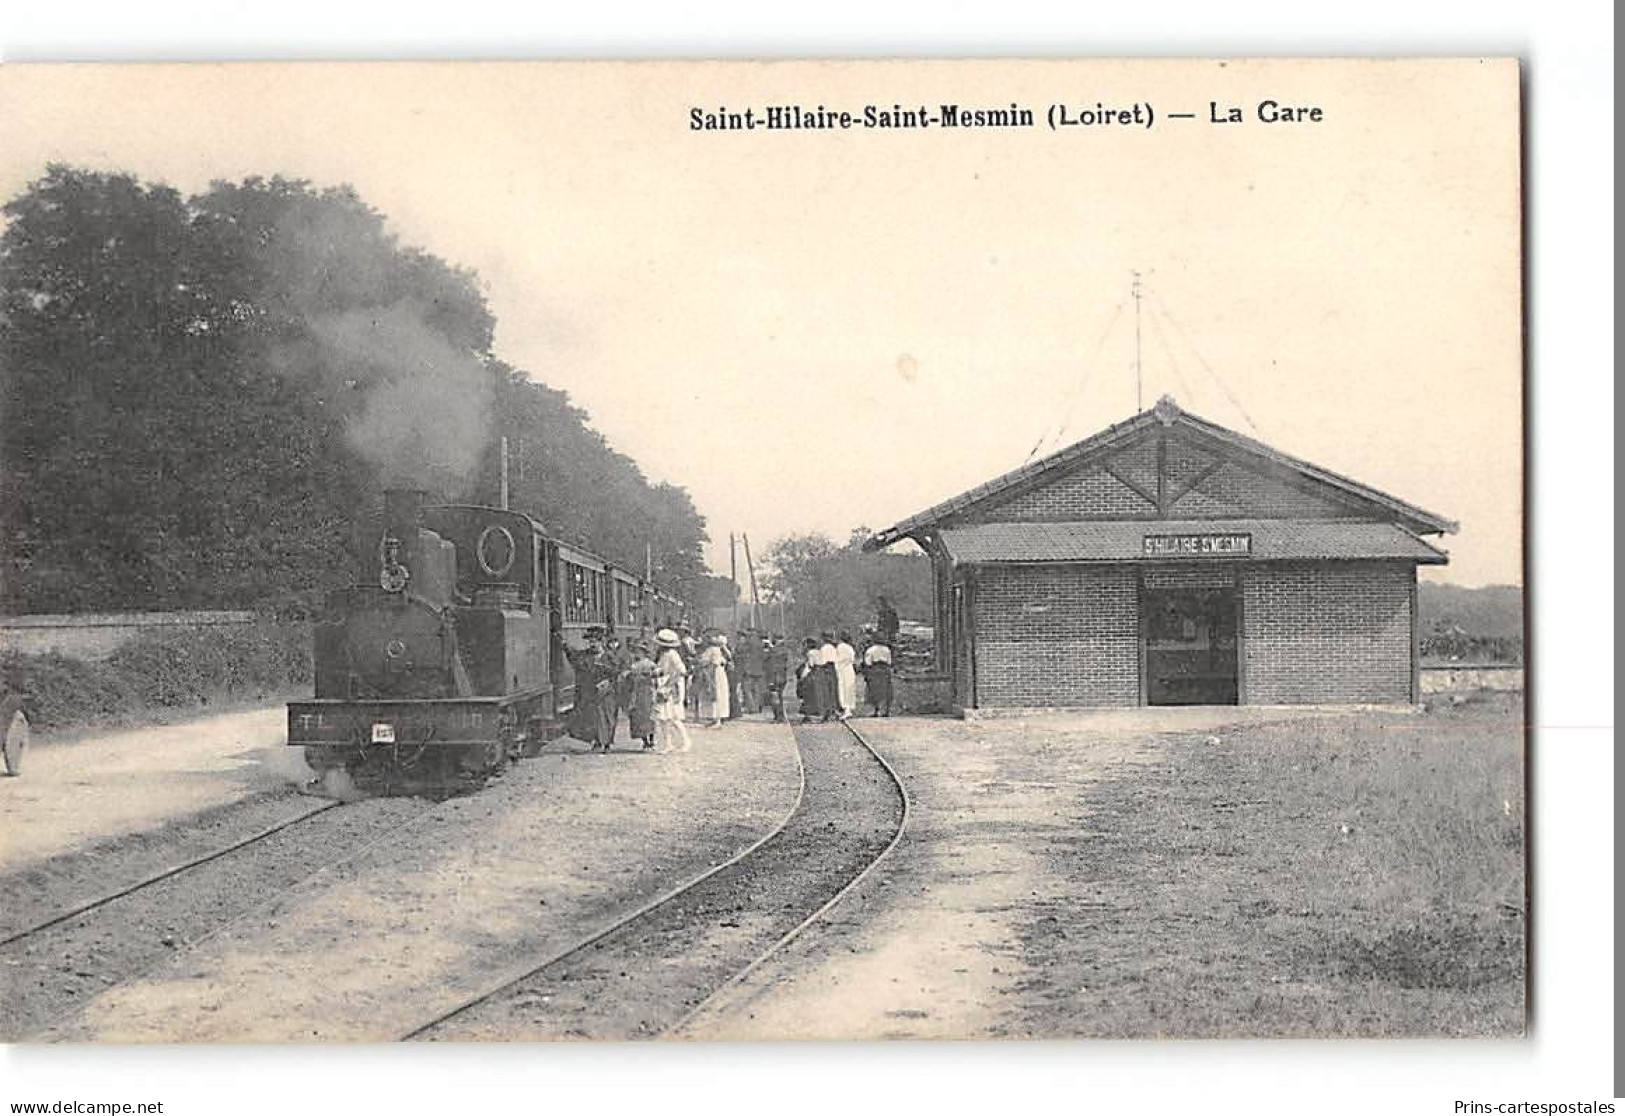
<point x="450" y="657"/>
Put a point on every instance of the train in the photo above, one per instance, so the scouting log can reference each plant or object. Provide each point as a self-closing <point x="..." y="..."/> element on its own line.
<point x="449" y="657"/>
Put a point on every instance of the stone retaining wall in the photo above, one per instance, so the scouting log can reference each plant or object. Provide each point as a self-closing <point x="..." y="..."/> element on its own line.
<point x="93" y="636"/>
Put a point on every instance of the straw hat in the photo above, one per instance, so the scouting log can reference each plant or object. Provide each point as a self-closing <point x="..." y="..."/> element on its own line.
<point x="665" y="637"/>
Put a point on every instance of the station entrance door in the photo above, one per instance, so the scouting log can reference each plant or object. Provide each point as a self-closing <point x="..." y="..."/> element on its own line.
<point x="1188" y="639"/>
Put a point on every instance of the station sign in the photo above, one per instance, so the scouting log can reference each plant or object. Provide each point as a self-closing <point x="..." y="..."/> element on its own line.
<point x="1198" y="546"/>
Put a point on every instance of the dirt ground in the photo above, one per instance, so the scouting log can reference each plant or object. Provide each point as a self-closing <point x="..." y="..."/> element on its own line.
<point x="643" y="979"/>
<point x="74" y="795"/>
<point x="467" y="895"/>
<point x="1166" y="872"/>
<point x="1196" y="872"/>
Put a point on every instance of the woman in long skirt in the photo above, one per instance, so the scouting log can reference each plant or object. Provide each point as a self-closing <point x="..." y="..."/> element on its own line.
<point x="592" y="720"/>
<point x="828" y="703"/>
<point x="877" y="664"/>
<point x="807" y="681"/>
<point x="671" y="685"/>
<point x="714" y="706"/>
<point x="846" y="676"/>
<point x="640" y="697"/>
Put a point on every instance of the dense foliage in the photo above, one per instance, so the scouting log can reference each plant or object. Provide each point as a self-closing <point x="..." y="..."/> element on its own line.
<point x="1483" y="625"/>
<point x="163" y="669"/>
<point x="829" y="587"/>
<point x="202" y="393"/>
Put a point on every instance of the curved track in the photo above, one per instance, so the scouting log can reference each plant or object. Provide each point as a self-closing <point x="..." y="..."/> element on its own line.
<point x="651" y="972"/>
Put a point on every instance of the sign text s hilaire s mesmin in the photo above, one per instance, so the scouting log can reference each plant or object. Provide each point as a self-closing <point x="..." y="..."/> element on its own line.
<point x="1198" y="546"/>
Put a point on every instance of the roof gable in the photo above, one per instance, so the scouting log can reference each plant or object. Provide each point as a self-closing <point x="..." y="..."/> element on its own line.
<point x="1166" y="463"/>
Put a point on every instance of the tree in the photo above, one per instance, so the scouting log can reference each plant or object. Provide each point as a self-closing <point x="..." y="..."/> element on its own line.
<point x="101" y="312"/>
<point x="564" y="473"/>
<point x="202" y="395"/>
<point x="827" y="587"/>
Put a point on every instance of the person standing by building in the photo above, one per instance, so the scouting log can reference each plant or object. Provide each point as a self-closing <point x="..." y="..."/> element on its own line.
<point x="887" y="624"/>
<point x="877" y="679"/>
<point x="846" y="676"/>
<point x="712" y="682"/>
<point x="671" y="685"/>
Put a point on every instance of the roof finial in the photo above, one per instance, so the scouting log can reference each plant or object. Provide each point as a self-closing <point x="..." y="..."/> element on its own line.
<point x="1166" y="410"/>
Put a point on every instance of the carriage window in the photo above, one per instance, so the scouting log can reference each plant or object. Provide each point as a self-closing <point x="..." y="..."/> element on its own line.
<point x="579" y="605"/>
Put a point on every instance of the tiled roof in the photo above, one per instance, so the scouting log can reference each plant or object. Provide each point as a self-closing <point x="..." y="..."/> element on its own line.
<point x="1124" y="540"/>
<point x="1167" y="412"/>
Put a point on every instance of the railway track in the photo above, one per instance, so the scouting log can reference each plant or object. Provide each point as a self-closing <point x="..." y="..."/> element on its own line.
<point x="51" y="968"/>
<point x="167" y="873"/>
<point x="654" y="970"/>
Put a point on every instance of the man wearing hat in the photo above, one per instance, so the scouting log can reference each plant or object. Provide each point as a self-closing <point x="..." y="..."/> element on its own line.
<point x="775" y="665"/>
<point x="752" y="668"/>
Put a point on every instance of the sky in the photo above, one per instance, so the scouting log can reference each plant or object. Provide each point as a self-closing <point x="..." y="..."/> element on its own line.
<point x="822" y="330"/>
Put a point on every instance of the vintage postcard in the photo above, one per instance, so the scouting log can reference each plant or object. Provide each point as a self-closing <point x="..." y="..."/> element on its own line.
<point x="759" y="551"/>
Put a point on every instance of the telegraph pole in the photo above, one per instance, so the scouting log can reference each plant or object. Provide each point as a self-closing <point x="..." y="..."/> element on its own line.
<point x="733" y="577"/>
<point x="750" y="570"/>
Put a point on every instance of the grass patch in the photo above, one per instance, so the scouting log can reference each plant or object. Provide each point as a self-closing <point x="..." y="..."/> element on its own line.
<point x="1358" y="875"/>
<point x="168" y="670"/>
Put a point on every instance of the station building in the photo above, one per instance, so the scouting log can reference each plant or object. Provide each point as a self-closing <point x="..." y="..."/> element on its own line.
<point x="1170" y="561"/>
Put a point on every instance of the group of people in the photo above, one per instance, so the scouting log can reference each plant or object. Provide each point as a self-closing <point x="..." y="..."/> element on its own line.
<point x="612" y="677"/>
<point x="676" y="677"/>
<point x="827" y="677"/>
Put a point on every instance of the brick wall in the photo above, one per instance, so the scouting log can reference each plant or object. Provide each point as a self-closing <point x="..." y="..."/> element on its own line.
<point x="1056" y="636"/>
<point x="1327" y="632"/>
<point x="1090" y="494"/>
<point x="1231" y="492"/>
<point x="1235" y="492"/>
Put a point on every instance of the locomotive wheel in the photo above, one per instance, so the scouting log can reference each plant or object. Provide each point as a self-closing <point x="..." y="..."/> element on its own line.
<point x="16" y="734"/>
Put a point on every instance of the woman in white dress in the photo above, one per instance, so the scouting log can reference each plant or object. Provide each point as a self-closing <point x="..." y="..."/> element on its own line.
<point x="671" y="679"/>
<point x="846" y="676"/>
<point x="716" y="706"/>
